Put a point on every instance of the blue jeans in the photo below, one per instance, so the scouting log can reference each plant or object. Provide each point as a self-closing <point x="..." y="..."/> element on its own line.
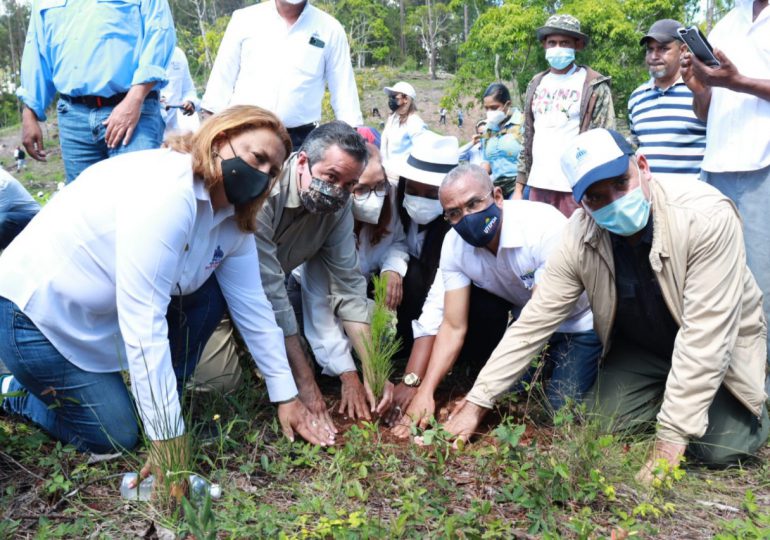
<point x="750" y="191"/>
<point x="82" y="134"/>
<point x="571" y="363"/>
<point x="11" y="224"/>
<point x="94" y="411"/>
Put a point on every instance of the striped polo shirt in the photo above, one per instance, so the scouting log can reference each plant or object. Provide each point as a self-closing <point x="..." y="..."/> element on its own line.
<point x="664" y="126"/>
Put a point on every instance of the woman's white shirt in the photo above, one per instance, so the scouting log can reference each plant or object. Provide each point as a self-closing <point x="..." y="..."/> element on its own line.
<point x="95" y="272"/>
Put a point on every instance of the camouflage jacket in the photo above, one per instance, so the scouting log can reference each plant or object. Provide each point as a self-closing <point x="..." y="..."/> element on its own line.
<point x="596" y="111"/>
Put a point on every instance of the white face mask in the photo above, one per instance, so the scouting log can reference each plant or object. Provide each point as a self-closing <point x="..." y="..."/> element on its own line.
<point x="494" y="118"/>
<point x="422" y="210"/>
<point x="294" y="2"/>
<point x="369" y="209"/>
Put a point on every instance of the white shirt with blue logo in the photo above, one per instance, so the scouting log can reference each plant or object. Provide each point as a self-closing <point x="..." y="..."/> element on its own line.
<point x="96" y="269"/>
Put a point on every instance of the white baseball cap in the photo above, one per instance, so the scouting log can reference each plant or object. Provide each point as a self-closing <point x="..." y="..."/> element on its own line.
<point x="432" y="156"/>
<point x="401" y="87"/>
<point x="595" y="155"/>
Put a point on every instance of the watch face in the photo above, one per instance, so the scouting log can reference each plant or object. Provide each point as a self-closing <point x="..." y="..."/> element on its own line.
<point x="411" y="379"/>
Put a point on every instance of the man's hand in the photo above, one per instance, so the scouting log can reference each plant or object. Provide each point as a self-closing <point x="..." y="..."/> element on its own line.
<point x="402" y="396"/>
<point x="726" y="75"/>
<point x="697" y="86"/>
<point x="395" y="289"/>
<point x="124" y="117"/>
<point x="354" y="397"/>
<point x="168" y="455"/>
<point x="313" y="400"/>
<point x="31" y="134"/>
<point x="419" y="412"/>
<point x="188" y="108"/>
<point x="464" y="421"/>
<point x="663" y="450"/>
<point x="294" y="417"/>
<point x="387" y="397"/>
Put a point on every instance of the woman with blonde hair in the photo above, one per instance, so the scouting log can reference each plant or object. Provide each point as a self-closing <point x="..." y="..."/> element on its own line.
<point x="131" y="268"/>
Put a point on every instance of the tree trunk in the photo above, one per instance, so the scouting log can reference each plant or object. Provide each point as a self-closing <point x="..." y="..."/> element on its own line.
<point x="402" y="25"/>
<point x="465" y="21"/>
<point x="200" y="14"/>
<point x="431" y="41"/>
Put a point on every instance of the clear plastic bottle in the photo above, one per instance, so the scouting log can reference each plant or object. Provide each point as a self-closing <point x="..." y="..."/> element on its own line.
<point x="198" y="488"/>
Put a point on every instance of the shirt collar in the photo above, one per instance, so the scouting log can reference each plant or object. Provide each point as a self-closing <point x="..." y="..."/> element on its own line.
<point x="652" y="86"/>
<point x="202" y="194"/>
<point x="292" y="199"/>
<point x="510" y="235"/>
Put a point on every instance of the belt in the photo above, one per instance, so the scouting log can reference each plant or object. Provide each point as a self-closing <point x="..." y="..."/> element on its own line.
<point x="307" y="128"/>
<point x="95" y="102"/>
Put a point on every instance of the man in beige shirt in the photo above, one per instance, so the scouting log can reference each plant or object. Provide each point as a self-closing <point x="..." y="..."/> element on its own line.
<point x="308" y="216"/>
<point x="677" y="310"/>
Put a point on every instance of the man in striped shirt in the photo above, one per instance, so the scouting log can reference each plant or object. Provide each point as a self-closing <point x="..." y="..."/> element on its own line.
<point x="660" y="115"/>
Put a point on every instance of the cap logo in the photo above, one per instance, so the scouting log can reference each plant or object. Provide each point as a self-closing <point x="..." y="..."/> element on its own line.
<point x="580" y="154"/>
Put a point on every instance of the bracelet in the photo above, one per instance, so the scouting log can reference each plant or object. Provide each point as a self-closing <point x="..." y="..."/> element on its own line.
<point x="287" y="400"/>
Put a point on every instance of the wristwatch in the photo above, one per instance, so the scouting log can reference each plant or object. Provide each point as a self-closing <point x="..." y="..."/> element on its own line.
<point x="412" y="379"/>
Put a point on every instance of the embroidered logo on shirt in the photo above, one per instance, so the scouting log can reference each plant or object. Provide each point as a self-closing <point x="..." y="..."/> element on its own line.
<point x="528" y="278"/>
<point x="216" y="260"/>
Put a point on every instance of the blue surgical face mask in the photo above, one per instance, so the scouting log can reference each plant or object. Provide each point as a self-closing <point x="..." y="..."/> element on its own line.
<point x="560" y="57"/>
<point x="625" y="216"/>
<point x="479" y="229"/>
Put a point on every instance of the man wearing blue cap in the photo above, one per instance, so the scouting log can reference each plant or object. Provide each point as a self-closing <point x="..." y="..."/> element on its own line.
<point x="677" y="310"/>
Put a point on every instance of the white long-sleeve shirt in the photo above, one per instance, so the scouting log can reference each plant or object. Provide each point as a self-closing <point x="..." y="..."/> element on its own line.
<point x="180" y="88"/>
<point x="96" y="269"/>
<point x="284" y="69"/>
<point x="323" y="329"/>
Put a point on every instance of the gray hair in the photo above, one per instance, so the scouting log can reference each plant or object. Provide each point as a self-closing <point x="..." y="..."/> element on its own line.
<point x="467" y="170"/>
<point x="336" y="133"/>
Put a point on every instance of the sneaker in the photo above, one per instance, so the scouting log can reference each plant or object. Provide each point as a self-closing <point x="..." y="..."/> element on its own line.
<point x="5" y="386"/>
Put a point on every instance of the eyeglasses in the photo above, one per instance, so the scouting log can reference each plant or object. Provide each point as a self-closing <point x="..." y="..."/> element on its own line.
<point x="454" y="215"/>
<point x="361" y="192"/>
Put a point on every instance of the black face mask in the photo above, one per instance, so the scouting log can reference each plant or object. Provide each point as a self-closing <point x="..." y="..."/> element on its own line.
<point x="243" y="183"/>
<point x="393" y="103"/>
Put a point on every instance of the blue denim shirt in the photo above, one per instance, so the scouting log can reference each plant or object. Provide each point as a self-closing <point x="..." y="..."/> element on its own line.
<point x="94" y="47"/>
<point x="502" y="147"/>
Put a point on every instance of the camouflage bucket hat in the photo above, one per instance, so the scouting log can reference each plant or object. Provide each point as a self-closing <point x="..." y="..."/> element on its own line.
<point x="562" y="24"/>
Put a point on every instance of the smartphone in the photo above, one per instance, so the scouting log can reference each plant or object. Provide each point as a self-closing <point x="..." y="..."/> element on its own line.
<point x="699" y="45"/>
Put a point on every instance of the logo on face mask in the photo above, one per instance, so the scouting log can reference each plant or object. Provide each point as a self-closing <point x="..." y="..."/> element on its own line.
<point x="479" y="229"/>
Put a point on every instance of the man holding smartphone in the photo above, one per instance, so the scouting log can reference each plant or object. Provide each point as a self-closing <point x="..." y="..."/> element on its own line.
<point x="734" y="100"/>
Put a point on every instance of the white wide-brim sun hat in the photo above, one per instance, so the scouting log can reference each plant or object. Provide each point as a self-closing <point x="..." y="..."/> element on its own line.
<point x="431" y="158"/>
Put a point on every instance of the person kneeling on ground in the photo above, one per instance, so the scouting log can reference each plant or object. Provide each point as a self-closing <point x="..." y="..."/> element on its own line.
<point x="131" y="268"/>
<point x="308" y="217"/>
<point x="502" y="247"/>
<point x="17" y="208"/>
<point x="677" y="310"/>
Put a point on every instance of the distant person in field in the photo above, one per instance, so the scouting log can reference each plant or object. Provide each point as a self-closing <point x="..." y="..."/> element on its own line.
<point x="179" y="99"/>
<point x="560" y="102"/>
<point x="402" y="127"/>
<point x="20" y="157"/>
<point x="460" y="118"/>
<point x="501" y="143"/>
<point x="676" y="307"/>
<point x="442" y="116"/>
<point x="107" y="62"/>
<point x="471" y="151"/>
<point x="17" y="208"/>
<point x="281" y="55"/>
<point x="131" y="268"/>
<point x="660" y="116"/>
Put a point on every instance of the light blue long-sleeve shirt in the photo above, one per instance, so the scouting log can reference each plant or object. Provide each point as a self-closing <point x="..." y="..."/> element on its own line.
<point x="94" y="48"/>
